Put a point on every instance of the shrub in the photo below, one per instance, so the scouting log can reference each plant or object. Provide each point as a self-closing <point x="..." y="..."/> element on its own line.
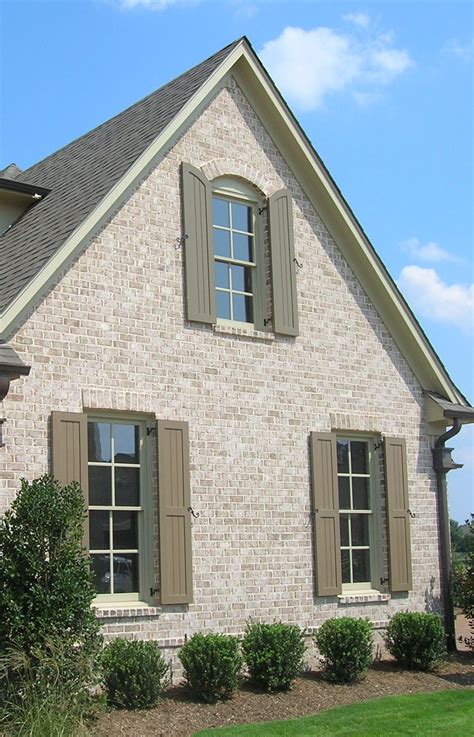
<point x="38" y="703"/>
<point x="135" y="673"/>
<point x="46" y="587"/>
<point x="345" y="644"/>
<point x="465" y="585"/>
<point x="273" y="654"/>
<point x="212" y="665"/>
<point x="416" y="640"/>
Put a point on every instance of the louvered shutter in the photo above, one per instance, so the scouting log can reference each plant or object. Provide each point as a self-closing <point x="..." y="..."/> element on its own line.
<point x="174" y="513"/>
<point x="398" y="515"/>
<point x="285" y="303"/>
<point x="69" y="454"/>
<point x="198" y="246"/>
<point x="326" y="513"/>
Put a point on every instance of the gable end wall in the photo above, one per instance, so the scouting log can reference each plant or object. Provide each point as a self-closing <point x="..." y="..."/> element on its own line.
<point x="112" y="334"/>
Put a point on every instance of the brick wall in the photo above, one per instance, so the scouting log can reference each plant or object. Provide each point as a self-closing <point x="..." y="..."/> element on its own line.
<point x="112" y="334"/>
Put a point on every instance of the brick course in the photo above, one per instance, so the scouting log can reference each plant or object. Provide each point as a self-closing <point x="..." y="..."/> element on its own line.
<point x="112" y="334"/>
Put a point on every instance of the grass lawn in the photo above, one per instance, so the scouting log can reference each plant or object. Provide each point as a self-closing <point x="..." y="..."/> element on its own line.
<point x="446" y="713"/>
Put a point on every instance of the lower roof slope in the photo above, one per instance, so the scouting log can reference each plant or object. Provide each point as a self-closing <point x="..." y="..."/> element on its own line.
<point x="80" y="175"/>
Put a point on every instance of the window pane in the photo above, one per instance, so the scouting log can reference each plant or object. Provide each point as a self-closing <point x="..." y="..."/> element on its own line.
<point x="360" y="493"/>
<point x="127" y="487"/>
<point x="99" y="441"/>
<point x="100" y="486"/>
<point x="222" y="275"/>
<point x="344" y="526"/>
<point x="346" y="566"/>
<point x="242" y="307"/>
<point x="99" y="530"/>
<point x="343" y="456"/>
<point x="241" y="217"/>
<point x="100" y="566"/>
<point x="360" y="529"/>
<point x="361" y="566"/>
<point x="125" y="530"/>
<point x="223" y="305"/>
<point x="220" y="212"/>
<point x="242" y="247"/>
<point x="241" y="279"/>
<point x="359" y="456"/>
<point x="126" y="443"/>
<point x="222" y="243"/>
<point x="344" y="493"/>
<point x="125" y="573"/>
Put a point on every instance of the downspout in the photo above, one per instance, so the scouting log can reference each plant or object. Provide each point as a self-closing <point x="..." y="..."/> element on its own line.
<point x="442" y="463"/>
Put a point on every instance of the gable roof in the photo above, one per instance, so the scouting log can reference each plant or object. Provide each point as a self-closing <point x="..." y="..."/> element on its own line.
<point x="80" y="175"/>
<point x="91" y="177"/>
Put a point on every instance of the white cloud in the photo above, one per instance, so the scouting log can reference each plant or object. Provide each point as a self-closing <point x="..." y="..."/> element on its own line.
<point x="453" y="47"/>
<point x="358" y="19"/>
<point x="309" y="65"/>
<point x="432" y="298"/>
<point x="430" y="251"/>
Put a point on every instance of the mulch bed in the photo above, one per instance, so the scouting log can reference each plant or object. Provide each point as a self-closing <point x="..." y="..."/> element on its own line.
<point x="179" y="716"/>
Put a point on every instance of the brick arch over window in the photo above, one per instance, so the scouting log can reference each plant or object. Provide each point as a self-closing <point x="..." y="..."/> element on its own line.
<point x="235" y="168"/>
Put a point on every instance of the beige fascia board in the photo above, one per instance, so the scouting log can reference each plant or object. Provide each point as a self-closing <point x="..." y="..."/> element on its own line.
<point x="15" y="312"/>
<point x="340" y="222"/>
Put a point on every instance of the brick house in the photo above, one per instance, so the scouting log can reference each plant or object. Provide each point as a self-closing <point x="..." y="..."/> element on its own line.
<point x="195" y="327"/>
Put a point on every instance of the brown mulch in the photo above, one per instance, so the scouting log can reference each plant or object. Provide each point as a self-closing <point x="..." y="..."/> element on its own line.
<point x="179" y="716"/>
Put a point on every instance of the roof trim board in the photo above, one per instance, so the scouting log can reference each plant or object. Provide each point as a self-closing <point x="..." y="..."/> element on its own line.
<point x="317" y="184"/>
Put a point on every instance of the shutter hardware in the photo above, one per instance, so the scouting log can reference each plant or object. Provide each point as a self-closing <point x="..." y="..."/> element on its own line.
<point x="196" y="515"/>
<point x="180" y="241"/>
<point x="149" y="430"/>
<point x="300" y="266"/>
<point x="153" y="591"/>
<point x="378" y="445"/>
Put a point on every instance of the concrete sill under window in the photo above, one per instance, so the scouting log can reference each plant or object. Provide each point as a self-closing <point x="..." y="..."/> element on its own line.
<point x="120" y="609"/>
<point x="363" y="597"/>
<point x="243" y="329"/>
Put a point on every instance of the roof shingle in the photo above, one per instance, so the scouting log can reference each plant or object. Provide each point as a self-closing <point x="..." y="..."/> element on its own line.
<point x="82" y="173"/>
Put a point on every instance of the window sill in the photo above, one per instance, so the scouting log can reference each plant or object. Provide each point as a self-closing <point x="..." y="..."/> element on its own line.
<point x="242" y="330"/>
<point x="363" y="597"/>
<point x="122" y="609"/>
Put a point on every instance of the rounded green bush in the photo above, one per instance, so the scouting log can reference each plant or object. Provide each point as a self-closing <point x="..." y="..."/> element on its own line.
<point x="416" y="640"/>
<point x="273" y="654"/>
<point x="135" y="673"/>
<point x="345" y="645"/>
<point x="212" y="665"/>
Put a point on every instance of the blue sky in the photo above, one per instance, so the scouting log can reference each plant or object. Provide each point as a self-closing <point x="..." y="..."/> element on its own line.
<point x="383" y="89"/>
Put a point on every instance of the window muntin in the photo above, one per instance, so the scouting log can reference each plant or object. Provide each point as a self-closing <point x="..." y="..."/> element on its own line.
<point x="354" y="459"/>
<point x="116" y="471"/>
<point x="234" y="253"/>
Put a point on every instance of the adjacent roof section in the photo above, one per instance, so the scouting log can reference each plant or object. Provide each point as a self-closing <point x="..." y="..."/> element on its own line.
<point x="450" y="410"/>
<point x="10" y="362"/>
<point x="80" y="175"/>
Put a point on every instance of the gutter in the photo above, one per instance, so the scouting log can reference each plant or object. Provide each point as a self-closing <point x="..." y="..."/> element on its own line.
<point x="442" y="463"/>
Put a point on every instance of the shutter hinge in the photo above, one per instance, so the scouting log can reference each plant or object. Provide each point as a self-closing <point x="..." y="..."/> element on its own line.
<point x="154" y="592"/>
<point x="261" y="209"/>
<point x="299" y="265"/>
<point x="180" y="241"/>
<point x="149" y="430"/>
<point x="377" y="446"/>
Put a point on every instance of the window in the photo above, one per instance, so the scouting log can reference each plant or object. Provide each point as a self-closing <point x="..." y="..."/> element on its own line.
<point x="228" y="276"/>
<point x="236" y="247"/>
<point x="354" y="459"/>
<point x="117" y="501"/>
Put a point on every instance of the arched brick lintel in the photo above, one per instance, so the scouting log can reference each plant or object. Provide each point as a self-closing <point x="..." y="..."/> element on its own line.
<point x="235" y="168"/>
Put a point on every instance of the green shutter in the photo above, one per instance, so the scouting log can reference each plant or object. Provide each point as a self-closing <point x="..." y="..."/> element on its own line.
<point x="69" y="454"/>
<point x="198" y="246"/>
<point x="326" y="513"/>
<point x="174" y="513"/>
<point x="398" y="515"/>
<point x="285" y="304"/>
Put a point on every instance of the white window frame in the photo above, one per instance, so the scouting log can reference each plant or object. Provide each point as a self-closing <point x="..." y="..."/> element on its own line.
<point x="373" y="512"/>
<point x="144" y="510"/>
<point x="235" y="190"/>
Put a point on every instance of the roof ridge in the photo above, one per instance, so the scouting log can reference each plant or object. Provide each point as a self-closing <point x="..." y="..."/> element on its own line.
<point x="186" y="73"/>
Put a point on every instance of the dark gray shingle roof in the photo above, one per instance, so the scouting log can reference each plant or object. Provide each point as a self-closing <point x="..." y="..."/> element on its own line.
<point x="10" y="362"/>
<point x="80" y="175"/>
